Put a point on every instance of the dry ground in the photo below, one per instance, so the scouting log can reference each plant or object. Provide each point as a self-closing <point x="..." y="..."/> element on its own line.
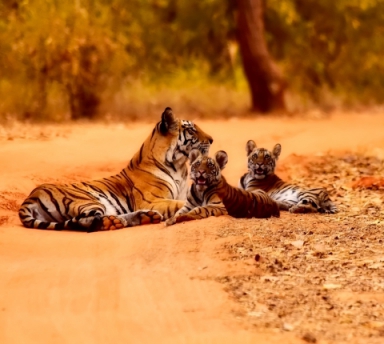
<point x="301" y="278"/>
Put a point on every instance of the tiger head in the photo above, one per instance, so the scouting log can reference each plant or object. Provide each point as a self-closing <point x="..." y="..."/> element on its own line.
<point x="181" y="137"/>
<point x="206" y="171"/>
<point x="261" y="162"/>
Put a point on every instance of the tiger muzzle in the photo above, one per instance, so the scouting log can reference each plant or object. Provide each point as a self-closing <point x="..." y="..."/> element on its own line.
<point x="201" y="180"/>
<point x="259" y="170"/>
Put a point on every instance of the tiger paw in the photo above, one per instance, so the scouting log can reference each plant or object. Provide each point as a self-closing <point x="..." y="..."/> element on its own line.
<point x="170" y="221"/>
<point x="302" y="209"/>
<point x="150" y="216"/>
<point x="184" y="218"/>
<point x="110" y="223"/>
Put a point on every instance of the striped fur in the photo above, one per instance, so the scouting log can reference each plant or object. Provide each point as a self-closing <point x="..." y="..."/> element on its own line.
<point x="152" y="187"/>
<point x="211" y="195"/>
<point x="261" y="176"/>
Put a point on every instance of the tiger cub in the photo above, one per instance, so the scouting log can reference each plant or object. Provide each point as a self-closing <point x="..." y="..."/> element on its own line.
<point x="153" y="186"/>
<point x="211" y="195"/>
<point x="261" y="175"/>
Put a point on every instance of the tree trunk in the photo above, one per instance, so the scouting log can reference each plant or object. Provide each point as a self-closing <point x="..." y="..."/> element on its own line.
<point x="265" y="80"/>
<point x="82" y="89"/>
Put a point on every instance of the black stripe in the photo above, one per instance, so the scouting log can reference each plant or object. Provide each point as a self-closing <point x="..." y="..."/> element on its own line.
<point x="153" y="132"/>
<point x="56" y="204"/>
<point x="165" y="184"/>
<point x="26" y="216"/>
<point x="161" y="167"/>
<point x="124" y="211"/>
<point x="43" y="225"/>
<point x="43" y="207"/>
<point x="67" y="202"/>
<point x="171" y="165"/>
<point x="141" y="153"/>
<point x="59" y="226"/>
<point x="141" y="194"/>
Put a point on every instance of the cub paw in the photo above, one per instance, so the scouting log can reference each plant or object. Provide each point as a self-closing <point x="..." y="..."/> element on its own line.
<point x="170" y="221"/>
<point x="302" y="209"/>
<point x="179" y="219"/>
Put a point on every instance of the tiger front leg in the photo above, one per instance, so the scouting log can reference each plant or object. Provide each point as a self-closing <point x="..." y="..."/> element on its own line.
<point x="199" y="213"/>
<point x="303" y="207"/>
<point x="167" y="207"/>
<point x="284" y="205"/>
<point x="136" y="218"/>
<point x="185" y="209"/>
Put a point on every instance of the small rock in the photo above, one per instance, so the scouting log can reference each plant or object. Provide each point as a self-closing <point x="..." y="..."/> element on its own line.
<point x="331" y="286"/>
<point x="309" y="338"/>
<point x="375" y="324"/>
<point x="319" y="248"/>
<point x="255" y="314"/>
<point x="298" y="243"/>
<point x="288" y="327"/>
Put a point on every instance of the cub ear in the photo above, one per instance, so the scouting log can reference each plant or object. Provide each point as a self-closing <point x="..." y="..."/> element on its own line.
<point x="193" y="155"/>
<point x="221" y="158"/>
<point x="251" y="145"/>
<point x="168" y="121"/>
<point x="276" y="151"/>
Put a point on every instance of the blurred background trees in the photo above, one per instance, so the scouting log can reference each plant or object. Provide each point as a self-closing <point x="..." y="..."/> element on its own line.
<point x="266" y="82"/>
<point x="116" y="58"/>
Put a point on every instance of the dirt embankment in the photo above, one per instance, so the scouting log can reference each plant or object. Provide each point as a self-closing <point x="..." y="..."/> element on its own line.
<point x="317" y="277"/>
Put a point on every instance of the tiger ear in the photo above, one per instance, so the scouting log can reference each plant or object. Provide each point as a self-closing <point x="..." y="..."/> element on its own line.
<point x="221" y="158"/>
<point x="276" y="151"/>
<point x="251" y="145"/>
<point x="168" y="121"/>
<point x="193" y="155"/>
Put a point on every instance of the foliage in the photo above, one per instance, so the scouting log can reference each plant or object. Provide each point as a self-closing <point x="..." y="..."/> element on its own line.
<point x="76" y="56"/>
<point x="329" y="44"/>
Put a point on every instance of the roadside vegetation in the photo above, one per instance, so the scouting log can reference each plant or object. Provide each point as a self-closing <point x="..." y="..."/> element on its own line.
<point x="87" y="59"/>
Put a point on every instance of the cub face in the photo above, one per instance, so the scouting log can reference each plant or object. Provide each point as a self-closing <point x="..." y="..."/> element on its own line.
<point x="261" y="162"/>
<point x="206" y="171"/>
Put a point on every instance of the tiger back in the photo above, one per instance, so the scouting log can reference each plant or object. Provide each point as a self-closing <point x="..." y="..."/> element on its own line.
<point x="211" y="195"/>
<point x="152" y="187"/>
<point x="261" y="176"/>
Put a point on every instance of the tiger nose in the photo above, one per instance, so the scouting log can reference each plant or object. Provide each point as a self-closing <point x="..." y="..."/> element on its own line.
<point x="210" y="140"/>
<point x="201" y="171"/>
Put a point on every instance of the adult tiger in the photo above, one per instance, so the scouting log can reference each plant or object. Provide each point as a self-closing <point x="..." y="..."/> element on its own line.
<point x="152" y="186"/>
<point x="211" y="195"/>
<point x="261" y="175"/>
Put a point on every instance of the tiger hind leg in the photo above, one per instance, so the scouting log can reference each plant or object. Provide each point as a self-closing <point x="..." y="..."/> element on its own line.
<point x="329" y="208"/>
<point x="95" y="221"/>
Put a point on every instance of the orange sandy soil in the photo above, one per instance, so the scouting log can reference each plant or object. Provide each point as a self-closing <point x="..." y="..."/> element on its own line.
<point x="180" y="284"/>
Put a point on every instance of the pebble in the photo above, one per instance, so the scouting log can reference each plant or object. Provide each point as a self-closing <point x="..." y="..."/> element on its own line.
<point x="309" y="338"/>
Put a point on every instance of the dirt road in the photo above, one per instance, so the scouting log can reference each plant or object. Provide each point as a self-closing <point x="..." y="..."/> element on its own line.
<point x="150" y="284"/>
